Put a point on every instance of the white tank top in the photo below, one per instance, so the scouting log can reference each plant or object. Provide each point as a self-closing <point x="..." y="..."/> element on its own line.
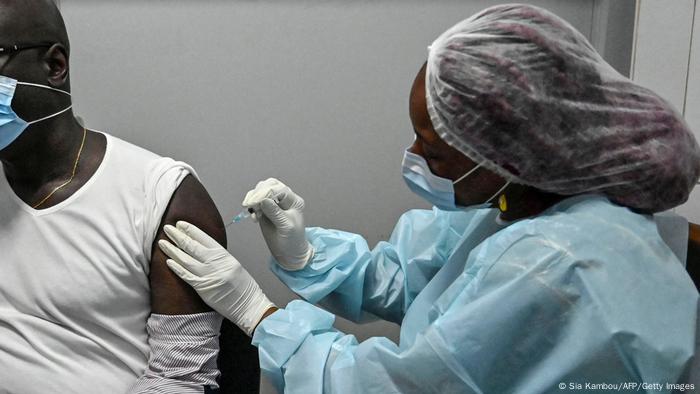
<point x="74" y="290"/>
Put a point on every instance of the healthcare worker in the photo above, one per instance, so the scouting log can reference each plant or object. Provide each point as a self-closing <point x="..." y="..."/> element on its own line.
<point x="567" y="284"/>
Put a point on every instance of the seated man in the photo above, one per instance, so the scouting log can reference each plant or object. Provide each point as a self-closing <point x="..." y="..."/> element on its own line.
<point x="87" y="303"/>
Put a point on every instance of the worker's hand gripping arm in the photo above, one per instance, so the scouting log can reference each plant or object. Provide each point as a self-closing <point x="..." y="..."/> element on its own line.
<point x="218" y="277"/>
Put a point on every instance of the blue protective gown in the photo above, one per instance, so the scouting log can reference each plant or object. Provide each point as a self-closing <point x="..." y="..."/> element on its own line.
<point x="586" y="292"/>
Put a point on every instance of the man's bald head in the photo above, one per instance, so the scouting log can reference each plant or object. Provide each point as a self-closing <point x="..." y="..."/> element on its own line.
<point x="38" y="25"/>
<point x="31" y="21"/>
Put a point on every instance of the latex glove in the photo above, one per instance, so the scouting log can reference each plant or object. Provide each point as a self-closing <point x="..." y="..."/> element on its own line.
<point x="218" y="277"/>
<point x="280" y="214"/>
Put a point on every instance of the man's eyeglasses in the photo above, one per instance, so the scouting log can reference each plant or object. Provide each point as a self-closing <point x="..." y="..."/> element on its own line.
<point x="4" y="50"/>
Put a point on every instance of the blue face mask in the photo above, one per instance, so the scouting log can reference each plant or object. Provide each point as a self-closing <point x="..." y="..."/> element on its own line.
<point x="436" y="190"/>
<point x="11" y="125"/>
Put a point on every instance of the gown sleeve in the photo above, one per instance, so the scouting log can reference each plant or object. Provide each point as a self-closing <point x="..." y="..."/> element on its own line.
<point x="349" y="279"/>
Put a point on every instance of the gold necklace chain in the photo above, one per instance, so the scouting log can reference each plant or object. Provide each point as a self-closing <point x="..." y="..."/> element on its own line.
<point x="72" y="175"/>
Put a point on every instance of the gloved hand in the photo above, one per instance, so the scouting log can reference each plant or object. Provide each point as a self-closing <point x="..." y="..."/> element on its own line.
<point x="280" y="213"/>
<point x="218" y="277"/>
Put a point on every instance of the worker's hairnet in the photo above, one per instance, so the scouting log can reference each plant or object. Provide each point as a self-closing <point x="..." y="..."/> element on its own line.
<point x="519" y="89"/>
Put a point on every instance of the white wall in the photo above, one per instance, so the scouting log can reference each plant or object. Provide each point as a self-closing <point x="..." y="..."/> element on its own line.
<point x="612" y="31"/>
<point x="667" y="60"/>
<point x="692" y="108"/>
<point x="314" y="92"/>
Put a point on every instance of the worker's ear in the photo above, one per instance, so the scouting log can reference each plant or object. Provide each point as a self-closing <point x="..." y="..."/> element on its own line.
<point x="56" y="65"/>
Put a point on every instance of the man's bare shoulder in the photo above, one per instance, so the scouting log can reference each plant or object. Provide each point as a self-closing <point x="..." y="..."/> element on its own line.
<point x="190" y="202"/>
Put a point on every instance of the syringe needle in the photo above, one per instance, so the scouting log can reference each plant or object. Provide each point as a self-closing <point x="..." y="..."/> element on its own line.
<point x="245" y="214"/>
<point x="248" y="212"/>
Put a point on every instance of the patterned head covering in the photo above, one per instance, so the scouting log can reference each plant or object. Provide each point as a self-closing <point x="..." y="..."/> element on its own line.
<point x="519" y="89"/>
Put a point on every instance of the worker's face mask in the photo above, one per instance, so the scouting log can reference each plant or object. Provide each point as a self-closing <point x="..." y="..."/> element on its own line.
<point x="436" y="190"/>
<point x="11" y="125"/>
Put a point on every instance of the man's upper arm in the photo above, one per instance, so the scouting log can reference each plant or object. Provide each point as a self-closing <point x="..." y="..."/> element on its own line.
<point x="238" y="359"/>
<point x="170" y="295"/>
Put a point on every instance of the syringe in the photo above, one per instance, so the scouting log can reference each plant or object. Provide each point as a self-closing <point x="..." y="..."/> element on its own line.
<point x="248" y="212"/>
<point x="245" y="214"/>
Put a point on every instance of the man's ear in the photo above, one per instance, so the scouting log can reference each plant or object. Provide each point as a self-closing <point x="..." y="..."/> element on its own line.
<point x="56" y="64"/>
